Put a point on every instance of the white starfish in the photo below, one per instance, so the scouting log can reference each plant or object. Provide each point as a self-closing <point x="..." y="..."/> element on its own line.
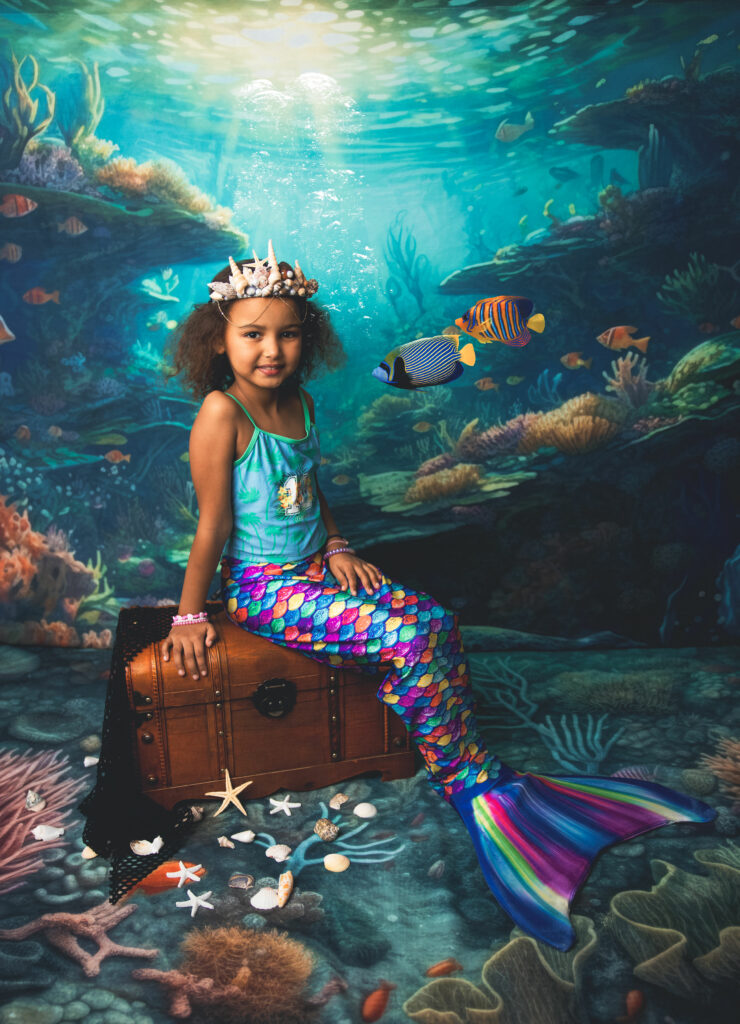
<point x="282" y="805"/>
<point x="194" y="901"/>
<point x="230" y="794"/>
<point x="185" y="874"/>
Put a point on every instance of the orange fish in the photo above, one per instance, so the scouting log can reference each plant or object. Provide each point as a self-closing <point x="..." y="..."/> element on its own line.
<point x="37" y="296"/>
<point x="5" y="332"/>
<point x="341" y="479"/>
<point x="114" y="455"/>
<point x="14" y="205"/>
<point x="733" y="323"/>
<point x="573" y="360"/>
<point x="54" y="431"/>
<point x="374" y="1005"/>
<point x="708" y="328"/>
<point x="158" y="881"/>
<point x="72" y="226"/>
<point x="620" y="337"/>
<point x="418" y="820"/>
<point x="448" y="966"/>
<point x="486" y="384"/>
<point x="22" y="433"/>
<point x="11" y="252"/>
<point x="422" y="426"/>
<point x="634" y="1002"/>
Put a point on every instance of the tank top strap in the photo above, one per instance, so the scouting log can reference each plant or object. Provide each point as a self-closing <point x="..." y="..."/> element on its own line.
<point x="306" y="417"/>
<point x="246" y="411"/>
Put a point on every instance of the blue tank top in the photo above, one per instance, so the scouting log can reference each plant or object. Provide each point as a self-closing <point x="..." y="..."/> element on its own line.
<point x="274" y="496"/>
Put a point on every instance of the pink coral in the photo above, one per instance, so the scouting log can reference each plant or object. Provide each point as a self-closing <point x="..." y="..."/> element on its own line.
<point x="19" y="772"/>
<point x="631" y="388"/>
<point x="444" y="461"/>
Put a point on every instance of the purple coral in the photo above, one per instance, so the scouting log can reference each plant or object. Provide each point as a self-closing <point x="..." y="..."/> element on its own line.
<point x="633" y="389"/>
<point x="497" y="440"/>
<point x="444" y="461"/>
<point x="49" y="166"/>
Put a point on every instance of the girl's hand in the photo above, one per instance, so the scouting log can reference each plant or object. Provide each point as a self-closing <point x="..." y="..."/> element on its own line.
<point x="351" y="570"/>
<point x="188" y="644"/>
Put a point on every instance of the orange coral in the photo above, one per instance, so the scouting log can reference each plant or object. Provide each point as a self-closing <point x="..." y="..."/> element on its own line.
<point x="579" y="425"/>
<point x="162" y="179"/>
<point x="268" y="968"/>
<point x="20" y="550"/>
<point x="459" y="478"/>
<point x="726" y="765"/>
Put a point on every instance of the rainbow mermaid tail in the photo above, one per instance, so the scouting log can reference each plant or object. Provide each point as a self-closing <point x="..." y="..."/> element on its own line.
<point x="536" y="836"/>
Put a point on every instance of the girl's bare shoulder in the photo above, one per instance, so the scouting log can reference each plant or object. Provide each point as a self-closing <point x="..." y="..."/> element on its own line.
<point x="309" y="403"/>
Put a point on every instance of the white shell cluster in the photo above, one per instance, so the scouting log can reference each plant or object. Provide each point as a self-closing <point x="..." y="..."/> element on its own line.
<point x="143" y="848"/>
<point x="262" y="280"/>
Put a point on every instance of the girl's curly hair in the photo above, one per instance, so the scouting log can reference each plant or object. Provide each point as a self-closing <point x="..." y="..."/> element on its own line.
<point x="191" y="348"/>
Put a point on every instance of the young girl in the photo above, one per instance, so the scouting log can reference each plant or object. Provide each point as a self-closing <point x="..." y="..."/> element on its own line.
<point x="289" y="575"/>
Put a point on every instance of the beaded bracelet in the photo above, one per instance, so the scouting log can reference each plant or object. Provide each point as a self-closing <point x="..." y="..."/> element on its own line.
<point x="338" y="551"/>
<point x="186" y="620"/>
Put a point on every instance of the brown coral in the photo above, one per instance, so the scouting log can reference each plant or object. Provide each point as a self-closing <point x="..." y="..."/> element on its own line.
<point x="574" y="436"/>
<point x="261" y="973"/>
<point x="163" y="180"/>
<point x="726" y="765"/>
<point x="455" y="480"/>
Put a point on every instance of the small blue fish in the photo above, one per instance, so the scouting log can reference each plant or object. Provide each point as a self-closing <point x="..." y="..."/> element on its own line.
<point x="425" y="362"/>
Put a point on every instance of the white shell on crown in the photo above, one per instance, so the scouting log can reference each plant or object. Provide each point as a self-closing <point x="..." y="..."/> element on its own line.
<point x="280" y="852"/>
<point x="34" y="801"/>
<point x="244" y="837"/>
<point x="365" y="810"/>
<point x="265" y="899"/>
<point x="44" y="832"/>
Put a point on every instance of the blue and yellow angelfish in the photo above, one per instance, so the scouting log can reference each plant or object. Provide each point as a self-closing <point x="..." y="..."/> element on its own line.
<point x="505" y="318"/>
<point x="425" y="362"/>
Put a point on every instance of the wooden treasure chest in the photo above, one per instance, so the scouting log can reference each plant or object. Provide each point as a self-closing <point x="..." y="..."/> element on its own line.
<point x="263" y="712"/>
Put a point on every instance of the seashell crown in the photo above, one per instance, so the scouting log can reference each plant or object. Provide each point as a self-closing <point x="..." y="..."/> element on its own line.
<point x="265" y="278"/>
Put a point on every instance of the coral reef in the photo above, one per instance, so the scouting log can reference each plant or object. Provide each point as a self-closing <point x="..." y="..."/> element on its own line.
<point x="63" y="931"/>
<point x="580" y="425"/>
<point x="545" y="393"/>
<point x="684" y="935"/>
<point x="437" y="463"/>
<point x="381" y="410"/>
<point x="700" y="292"/>
<point x="38" y="574"/>
<point x="524" y="981"/>
<point x="725" y="764"/>
<point x="20" y="854"/>
<point x="161" y="179"/>
<point x="711" y="361"/>
<point x="243" y="974"/>
<point x="500" y="439"/>
<point x="20" y="122"/>
<point x="456" y="480"/>
<point x="632" y="389"/>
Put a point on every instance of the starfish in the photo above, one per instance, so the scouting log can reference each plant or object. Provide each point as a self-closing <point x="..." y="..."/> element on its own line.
<point x="230" y="795"/>
<point x="282" y="805"/>
<point x="185" y="874"/>
<point x="195" y="901"/>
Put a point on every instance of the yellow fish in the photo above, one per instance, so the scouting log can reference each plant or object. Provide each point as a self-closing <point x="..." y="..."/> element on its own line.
<point x="107" y="439"/>
<point x="341" y="480"/>
<point x="514" y="380"/>
<point x="421" y="427"/>
<point x="572" y="209"/>
<point x="601" y="81"/>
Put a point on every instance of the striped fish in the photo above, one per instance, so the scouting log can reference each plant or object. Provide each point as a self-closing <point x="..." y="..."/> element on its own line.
<point x="425" y="362"/>
<point x="505" y="318"/>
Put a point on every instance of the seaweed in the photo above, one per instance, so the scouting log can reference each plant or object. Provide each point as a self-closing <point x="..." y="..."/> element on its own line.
<point x="401" y="255"/>
<point x="699" y="292"/>
<point x="20" y="121"/>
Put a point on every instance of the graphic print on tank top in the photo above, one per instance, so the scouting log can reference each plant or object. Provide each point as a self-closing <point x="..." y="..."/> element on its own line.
<point x="295" y="495"/>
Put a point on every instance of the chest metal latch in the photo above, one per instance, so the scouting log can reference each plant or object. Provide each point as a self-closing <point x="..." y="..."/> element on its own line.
<point x="275" y="697"/>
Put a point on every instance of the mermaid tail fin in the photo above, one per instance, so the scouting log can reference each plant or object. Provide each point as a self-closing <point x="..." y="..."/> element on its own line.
<point x="536" y="836"/>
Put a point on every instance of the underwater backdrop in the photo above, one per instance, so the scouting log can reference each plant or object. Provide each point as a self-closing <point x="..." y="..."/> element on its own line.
<point x="416" y="157"/>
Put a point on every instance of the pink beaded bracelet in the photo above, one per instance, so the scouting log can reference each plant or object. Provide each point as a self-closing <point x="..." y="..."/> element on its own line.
<point x="337" y="551"/>
<point x="186" y="620"/>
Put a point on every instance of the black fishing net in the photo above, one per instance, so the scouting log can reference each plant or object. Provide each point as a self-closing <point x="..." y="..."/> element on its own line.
<point x="116" y="809"/>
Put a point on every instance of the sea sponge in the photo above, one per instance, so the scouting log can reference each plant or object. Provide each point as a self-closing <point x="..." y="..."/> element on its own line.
<point x="268" y="967"/>
<point x="162" y="179"/>
<point x="463" y="477"/>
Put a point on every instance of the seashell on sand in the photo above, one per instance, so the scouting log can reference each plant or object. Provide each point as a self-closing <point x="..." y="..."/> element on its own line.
<point x="336" y="862"/>
<point x="326" y="830"/>
<point x="143" y="848"/>
<point x="197" y="813"/>
<point x="265" y="899"/>
<point x="285" y="888"/>
<point x="34" y="801"/>
<point x="223" y="841"/>
<point x="238" y="881"/>
<point x="437" y="869"/>
<point x="90" y="743"/>
<point x="88" y="853"/>
<point x="280" y="852"/>
<point x="365" y="810"/>
<point x="90" y="761"/>
<point x="244" y="837"/>
<point x="337" y="800"/>
<point x="44" y="832"/>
